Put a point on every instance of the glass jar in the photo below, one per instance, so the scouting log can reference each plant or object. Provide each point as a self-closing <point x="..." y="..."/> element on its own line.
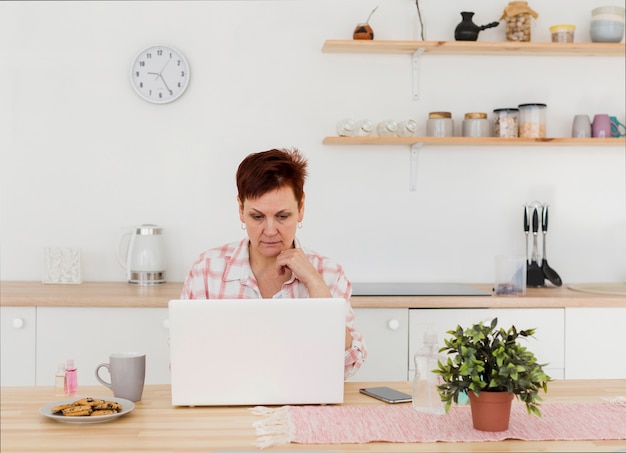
<point x="563" y="33"/>
<point x="532" y="120"/>
<point x="506" y="123"/>
<point x="345" y="127"/>
<point x="476" y="124"/>
<point x="407" y="128"/>
<point x="439" y="124"/>
<point x="364" y="128"/>
<point x="388" y="128"/>
<point x="518" y="16"/>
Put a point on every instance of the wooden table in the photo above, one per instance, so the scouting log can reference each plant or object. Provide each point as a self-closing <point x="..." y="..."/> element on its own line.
<point x="156" y="426"/>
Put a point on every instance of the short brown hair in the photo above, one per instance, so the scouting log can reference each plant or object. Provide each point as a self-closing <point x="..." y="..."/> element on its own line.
<point x="270" y="170"/>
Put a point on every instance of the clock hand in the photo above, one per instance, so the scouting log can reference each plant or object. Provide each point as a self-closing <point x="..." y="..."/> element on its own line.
<point x="157" y="74"/>
<point x="165" y="83"/>
<point x="164" y="66"/>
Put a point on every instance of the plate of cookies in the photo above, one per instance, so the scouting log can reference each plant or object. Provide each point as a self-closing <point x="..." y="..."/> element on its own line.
<point x="86" y="410"/>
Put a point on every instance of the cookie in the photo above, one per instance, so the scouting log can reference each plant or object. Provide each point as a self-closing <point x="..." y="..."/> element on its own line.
<point x="88" y="402"/>
<point x="112" y="405"/>
<point x="97" y="413"/>
<point x="76" y="410"/>
<point x="60" y="408"/>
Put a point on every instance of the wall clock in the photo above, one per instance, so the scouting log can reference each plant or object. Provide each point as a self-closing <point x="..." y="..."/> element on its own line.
<point x="159" y="74"/>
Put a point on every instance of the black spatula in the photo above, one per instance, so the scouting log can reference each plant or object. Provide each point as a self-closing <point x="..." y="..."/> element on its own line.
<point x="534" y="273"/>
<point x="548" y="272"/>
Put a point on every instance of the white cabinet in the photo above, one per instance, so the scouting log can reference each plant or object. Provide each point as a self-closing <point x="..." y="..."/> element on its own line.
<point x="386" y="332"/>
<point x="18" y="330"/>
<point x="547" y="343"/>
<point x="594" y="343"/>
<point x="90" y="335"/>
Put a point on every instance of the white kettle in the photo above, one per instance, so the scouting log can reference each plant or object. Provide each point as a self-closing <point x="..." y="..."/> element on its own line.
<point x="141" y="254"/>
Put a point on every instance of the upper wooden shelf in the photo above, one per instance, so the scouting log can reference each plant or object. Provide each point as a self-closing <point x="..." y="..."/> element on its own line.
<point x="477" y="141"/>
<point x="475" y="48"/>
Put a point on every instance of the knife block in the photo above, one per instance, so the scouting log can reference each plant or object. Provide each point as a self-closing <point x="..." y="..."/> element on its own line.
<point x="534" y="275"/>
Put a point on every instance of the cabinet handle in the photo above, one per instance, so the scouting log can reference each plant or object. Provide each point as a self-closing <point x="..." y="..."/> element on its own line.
<point x="393" y="324"/>
<point x="18" y="323"/>
<point x="166" y="324"/>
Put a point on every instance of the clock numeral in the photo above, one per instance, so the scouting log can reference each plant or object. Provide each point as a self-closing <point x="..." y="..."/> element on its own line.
<point x="159" y="52"/>
<point x="149" y="55"/>
<point x="182" y="73"/>
<point x="142" y="64"/>
<point x="136" y="73"/>
<point x="177" y="62"/>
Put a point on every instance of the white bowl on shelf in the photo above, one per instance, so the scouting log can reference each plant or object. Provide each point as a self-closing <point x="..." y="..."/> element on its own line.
<point x="606" y="31"/>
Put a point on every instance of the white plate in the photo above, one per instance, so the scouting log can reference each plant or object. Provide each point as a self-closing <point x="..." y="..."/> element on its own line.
<point x="45" y="410"/>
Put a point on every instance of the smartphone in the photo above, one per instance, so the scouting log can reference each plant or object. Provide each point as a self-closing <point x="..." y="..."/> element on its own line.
<point x="387" y="394"/>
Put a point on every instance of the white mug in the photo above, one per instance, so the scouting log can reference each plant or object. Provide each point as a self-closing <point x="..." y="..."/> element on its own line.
<point x="128" y="372"/>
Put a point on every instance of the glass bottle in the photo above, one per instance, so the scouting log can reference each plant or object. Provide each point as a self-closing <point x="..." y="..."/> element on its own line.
<point x="71" y="378"/>
<point x="425" y="394"/>
<point x="59" y="381"/>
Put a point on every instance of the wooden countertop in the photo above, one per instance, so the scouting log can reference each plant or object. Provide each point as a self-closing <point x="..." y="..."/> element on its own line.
<point x="121" y="294"/>
<point x="156" y="426"/>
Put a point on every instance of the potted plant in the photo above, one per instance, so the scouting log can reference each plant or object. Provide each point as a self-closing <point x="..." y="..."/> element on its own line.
<point x="486" y="362"/>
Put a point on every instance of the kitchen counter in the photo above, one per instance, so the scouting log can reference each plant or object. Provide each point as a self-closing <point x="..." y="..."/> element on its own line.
<point x="156" y="426"/>
<point x="121" y="294"/>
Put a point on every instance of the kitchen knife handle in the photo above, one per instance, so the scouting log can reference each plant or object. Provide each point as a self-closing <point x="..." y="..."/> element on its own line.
<point x="544" y="219"/>
<point x="535" y="220"/>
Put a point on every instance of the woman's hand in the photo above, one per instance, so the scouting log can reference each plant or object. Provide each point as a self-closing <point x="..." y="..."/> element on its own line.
<point x="299" y="264"/>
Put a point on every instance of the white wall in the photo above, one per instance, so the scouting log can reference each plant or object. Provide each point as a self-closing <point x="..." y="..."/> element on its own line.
<point x="83" y="158"/>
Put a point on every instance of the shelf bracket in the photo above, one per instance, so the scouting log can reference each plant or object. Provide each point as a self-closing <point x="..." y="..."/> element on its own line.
<point x="413" y="166"/>
<point x="415" y="66"/>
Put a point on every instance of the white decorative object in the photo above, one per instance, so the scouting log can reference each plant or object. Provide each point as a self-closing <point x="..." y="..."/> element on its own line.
<point x="62" y="265"/>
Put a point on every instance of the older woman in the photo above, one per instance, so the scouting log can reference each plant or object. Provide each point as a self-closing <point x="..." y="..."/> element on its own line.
<point x="271" y="262"/>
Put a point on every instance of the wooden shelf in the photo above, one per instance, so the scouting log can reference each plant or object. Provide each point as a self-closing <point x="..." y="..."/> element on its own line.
<point x="475" y="141"/>
<point x="475" y="48"/>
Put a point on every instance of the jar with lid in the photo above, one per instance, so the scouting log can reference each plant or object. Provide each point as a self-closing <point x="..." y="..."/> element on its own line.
<point x="476" y="124"/>
<point x="388" y="128"/>
<point x="532" y="120"/>
<point x="506" y="123"/>
<point x="439" y="124"/>
<point x="518" y="16"/>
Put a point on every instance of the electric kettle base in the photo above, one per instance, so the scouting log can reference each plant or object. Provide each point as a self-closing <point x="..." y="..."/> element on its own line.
<point x="147" y="278"/>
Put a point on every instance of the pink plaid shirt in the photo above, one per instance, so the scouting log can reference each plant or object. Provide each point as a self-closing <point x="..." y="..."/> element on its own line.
<point x="225" y="273"/>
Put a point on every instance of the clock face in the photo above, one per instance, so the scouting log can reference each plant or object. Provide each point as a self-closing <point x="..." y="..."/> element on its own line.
<point x="159" y="74"/>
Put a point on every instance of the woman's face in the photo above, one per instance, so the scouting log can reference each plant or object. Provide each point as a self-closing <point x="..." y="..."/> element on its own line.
<point x="271" y="220"/>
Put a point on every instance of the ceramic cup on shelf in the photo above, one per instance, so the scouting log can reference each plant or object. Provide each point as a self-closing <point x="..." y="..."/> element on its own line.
<point x="581" y="127"/>
<point x="601" y="126"/>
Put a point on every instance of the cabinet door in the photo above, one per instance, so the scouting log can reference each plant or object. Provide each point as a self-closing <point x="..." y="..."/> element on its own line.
<point x="385" y="331"/>
<point x="17" y="348"/>
<point x="594" y="343"/>
<point x="90" y="335"/>
<point x="547" y="344"/>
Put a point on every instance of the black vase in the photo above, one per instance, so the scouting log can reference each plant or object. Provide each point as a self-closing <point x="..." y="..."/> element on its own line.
<point x="467" y="30"/>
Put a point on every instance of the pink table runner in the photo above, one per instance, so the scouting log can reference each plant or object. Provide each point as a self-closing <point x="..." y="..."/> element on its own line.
<point x="400" y="423"/>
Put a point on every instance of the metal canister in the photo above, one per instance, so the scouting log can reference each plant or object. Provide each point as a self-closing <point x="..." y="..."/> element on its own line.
<point x="476" y="124"/>
<point x="440" y="124"/>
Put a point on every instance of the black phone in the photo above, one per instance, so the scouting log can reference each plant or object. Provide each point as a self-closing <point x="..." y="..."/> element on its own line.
<point x="387" y="394"/>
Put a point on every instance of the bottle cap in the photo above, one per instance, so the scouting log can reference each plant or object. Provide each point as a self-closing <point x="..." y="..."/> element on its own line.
<point x="69" y="364"/>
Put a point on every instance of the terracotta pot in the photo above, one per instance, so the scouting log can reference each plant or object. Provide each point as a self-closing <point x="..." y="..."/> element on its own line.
<point x="491" y="410"/>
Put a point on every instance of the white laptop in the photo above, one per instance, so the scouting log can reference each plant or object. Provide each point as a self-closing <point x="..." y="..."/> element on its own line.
<point x="226" y="352"/>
